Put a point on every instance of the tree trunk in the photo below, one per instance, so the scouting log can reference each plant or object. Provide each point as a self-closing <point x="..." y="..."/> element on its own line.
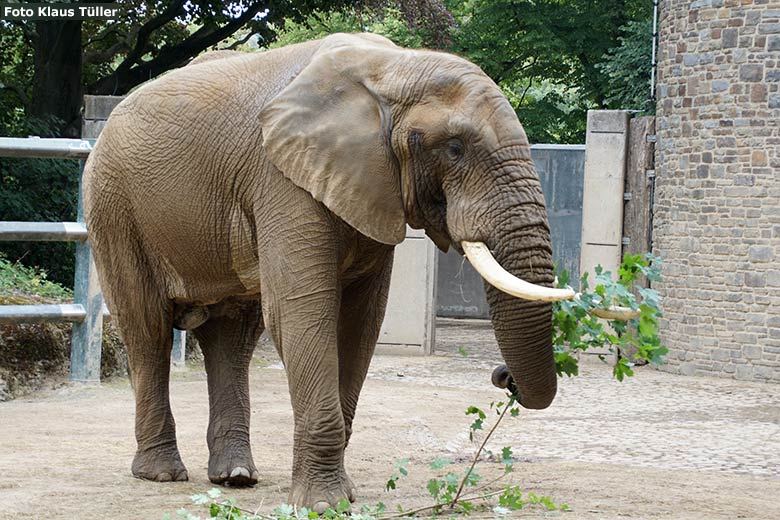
<point x="57" y="87"/>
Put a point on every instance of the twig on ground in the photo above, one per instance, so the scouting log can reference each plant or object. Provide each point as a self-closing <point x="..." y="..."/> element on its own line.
<point x="481" y="447"/>
<point x="471" y="495"/>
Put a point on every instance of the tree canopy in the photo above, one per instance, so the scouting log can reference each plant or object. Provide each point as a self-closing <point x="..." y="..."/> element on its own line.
<point x="554" y="60"/>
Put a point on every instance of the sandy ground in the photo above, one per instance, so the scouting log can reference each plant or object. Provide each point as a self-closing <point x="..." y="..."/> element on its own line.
<point x="656" y="447"/>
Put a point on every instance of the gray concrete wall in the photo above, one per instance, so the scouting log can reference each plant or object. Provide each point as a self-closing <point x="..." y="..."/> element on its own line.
<point x="460" y="291"/>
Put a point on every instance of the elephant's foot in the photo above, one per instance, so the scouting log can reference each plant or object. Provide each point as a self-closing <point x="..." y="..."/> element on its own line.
<point x="236" y="470"/>
<point x="348" y="485"/>
<point x="319" y="496"/>
<point x="160" y="465"/>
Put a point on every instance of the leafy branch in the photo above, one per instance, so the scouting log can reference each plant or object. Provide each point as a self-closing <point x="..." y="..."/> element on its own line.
<point x="450" y="493"/>
<point x="575" y="329"/>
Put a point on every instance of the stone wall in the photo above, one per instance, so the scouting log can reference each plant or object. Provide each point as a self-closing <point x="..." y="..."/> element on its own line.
<point x="717" y="198"/>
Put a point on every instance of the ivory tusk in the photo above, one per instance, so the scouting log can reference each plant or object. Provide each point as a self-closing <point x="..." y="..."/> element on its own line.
<point x="615" y="313"/>
<point x="480" y="257"/>
<point x="486" y="265"/>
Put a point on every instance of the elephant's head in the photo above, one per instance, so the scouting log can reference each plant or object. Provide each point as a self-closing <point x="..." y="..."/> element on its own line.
<point x="386" y="136"/>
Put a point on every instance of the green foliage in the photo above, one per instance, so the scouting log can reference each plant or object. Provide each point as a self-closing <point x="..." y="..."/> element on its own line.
<point x="550" y="112"/>
<point x="451" y="493"/>
<point x="16" y="278"/>
<point x="387" y="22"/>
<point x="32" y="352"/>
<point x="44" y="190"/>
<point x="627" y="68"/>
<point x="546" y="53"/>
<point x="477" y="424"/>
<point x="400" y="466"/>
<point x="318" y="24"/>
<point x="512" y="500"/>
<point x="574" y="328"/>
<point x="16" y="67"/>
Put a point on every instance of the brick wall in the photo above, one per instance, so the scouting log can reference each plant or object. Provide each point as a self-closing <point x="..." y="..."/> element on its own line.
<point x="717" y="199"/>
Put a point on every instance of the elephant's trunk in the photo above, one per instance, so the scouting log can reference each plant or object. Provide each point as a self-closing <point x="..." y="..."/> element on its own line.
<point x="523" y="328"/>
<point x="524" y="333"/>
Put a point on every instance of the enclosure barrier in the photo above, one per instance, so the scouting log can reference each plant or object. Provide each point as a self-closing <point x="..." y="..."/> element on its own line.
<point x="87" y="311"/>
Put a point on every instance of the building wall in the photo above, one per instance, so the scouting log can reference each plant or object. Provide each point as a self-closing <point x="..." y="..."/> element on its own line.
<point x="717" y="198"/>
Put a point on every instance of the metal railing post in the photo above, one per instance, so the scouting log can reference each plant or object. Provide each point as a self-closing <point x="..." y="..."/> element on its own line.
<point x="179" y="348"/>
<point x="87" y="311"/>
<point x="87" y="338"/>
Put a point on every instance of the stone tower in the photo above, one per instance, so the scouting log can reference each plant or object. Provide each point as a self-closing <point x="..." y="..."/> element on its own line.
<point x="717" y="198"/>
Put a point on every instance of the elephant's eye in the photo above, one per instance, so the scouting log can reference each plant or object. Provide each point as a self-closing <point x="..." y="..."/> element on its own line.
<point x="454" y="149"/>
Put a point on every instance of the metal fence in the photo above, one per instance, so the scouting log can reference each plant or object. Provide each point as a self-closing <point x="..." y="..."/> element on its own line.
<point x="87" y="310"/>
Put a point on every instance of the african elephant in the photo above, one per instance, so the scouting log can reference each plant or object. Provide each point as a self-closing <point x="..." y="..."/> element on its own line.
<point x="268" y="190"/>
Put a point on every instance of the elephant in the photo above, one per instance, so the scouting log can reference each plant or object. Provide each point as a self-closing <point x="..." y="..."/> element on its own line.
<point x="268" y="190"/>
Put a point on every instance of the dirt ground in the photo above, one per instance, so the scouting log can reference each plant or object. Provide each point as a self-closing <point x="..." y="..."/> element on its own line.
<point x="658" y="446"/>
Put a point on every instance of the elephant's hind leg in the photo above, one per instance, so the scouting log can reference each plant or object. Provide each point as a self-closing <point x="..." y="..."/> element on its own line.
<point x="227" y="340"/>
<point x="144" y="316"/>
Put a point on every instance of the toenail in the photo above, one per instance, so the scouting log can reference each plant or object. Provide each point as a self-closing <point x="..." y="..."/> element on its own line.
<point x="239" y="472"/>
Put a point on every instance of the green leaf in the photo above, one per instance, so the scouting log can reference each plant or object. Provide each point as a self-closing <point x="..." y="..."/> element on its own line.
<point x="434" y="488"/>
<point x="200" y="499"/>
<point x="575" y="329"/>
<point x="440" y="462"/>
<point x="472" y="478"/>
<point x="452" y="480"/>
<point x="622" y="369"/>
<point x="466" y="506"/>
<point x="284" y="510"/>
<point x="507" y="458"/>
<point x="511" y="498"/>
<point x="474" y="410"/>
<point x="342" y="506"/>
<point x="548" y="503"/>
<point x="463" y="352"/>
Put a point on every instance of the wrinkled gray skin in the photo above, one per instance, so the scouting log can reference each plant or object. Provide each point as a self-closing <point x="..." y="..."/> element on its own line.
<point x="268" y="190"/>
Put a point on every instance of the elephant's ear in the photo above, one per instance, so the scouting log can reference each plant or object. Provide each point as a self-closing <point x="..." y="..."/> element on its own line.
<point x="329" y="132"/>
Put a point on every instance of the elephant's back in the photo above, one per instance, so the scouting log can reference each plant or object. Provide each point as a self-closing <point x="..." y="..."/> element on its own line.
<point x="178" y="160"/>
<point x="197" y="115"/>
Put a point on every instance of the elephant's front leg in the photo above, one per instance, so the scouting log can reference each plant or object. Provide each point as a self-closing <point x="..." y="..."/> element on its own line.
<point x="301" y="307"/>
<point x="363" y="306"/>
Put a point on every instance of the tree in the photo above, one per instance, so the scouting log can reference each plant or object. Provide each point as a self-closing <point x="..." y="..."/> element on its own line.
<point x="47" y="66"/>
<point x="627" y="68"/>
<point x="71" y="57"/>
<point x="545" y="54"/>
